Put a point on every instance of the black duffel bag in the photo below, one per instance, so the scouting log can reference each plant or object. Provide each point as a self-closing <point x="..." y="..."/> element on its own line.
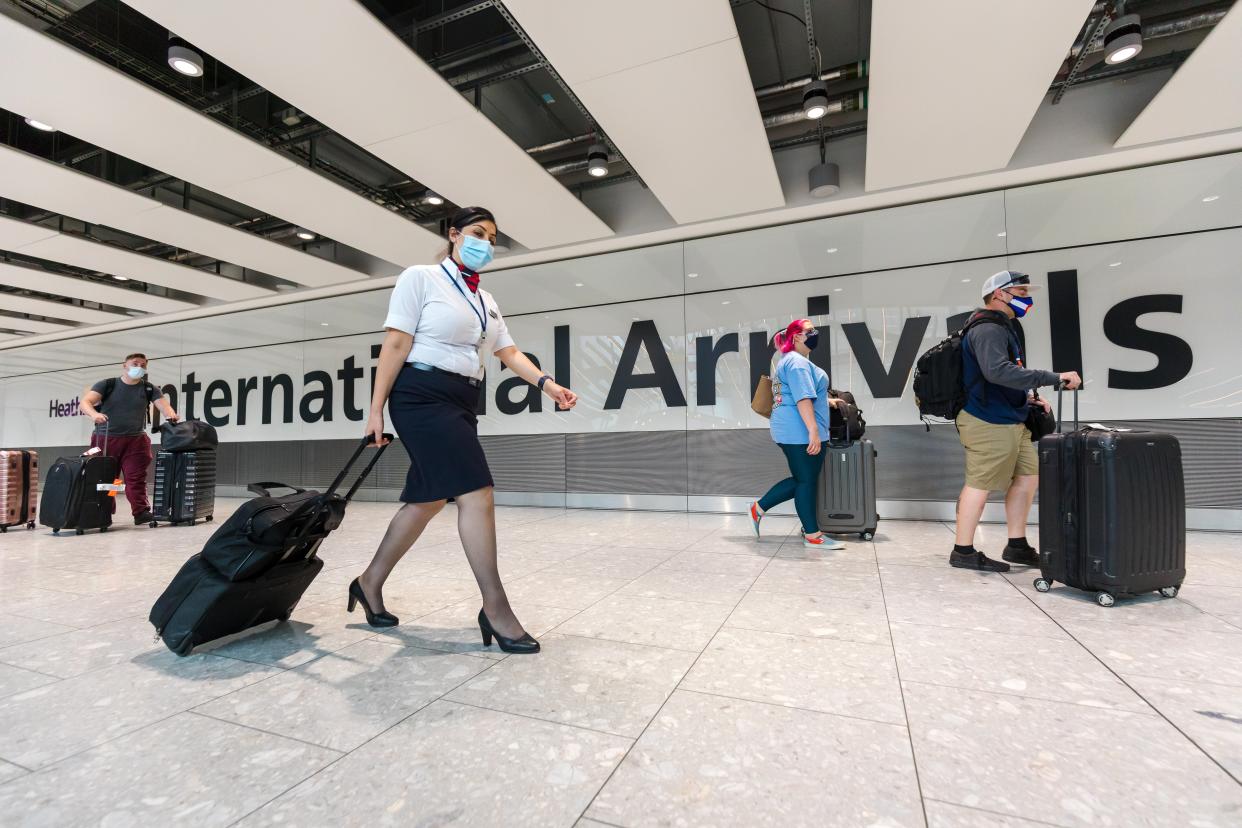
<point x="267" y="529"/>
<point x="187" y="435"/>
<point x="845" y="423"/>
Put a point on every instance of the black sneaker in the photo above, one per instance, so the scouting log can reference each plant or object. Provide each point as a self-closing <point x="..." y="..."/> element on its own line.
<point x="976" y="560"/>
<point x="1022" y="555"/>
<point x="145" y="517"/>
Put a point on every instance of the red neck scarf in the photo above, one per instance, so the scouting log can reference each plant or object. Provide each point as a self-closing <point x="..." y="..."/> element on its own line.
<point x="470" y="277"/>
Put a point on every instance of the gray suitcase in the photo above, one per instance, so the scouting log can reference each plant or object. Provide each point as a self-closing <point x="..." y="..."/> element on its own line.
<point x="846" y="497"/>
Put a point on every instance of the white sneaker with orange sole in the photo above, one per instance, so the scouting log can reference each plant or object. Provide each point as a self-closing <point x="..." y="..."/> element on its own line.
<point x="822" y="542"/>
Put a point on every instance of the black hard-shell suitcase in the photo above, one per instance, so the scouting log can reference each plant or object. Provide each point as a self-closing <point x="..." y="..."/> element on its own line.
<point x="72" y="497"/>
<point x="846" y="496"/>
<point x="203" y="604"/>
<point x="185" y="487"/>
<point x="1112" y="511"/>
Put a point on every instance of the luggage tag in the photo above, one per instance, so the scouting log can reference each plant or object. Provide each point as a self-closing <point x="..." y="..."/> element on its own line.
<point x="111" y="488"/>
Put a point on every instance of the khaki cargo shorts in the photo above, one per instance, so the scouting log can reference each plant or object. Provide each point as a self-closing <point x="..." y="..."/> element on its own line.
<point x="995" y="454"/>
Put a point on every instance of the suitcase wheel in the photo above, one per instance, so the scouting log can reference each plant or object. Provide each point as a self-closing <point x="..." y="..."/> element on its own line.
<point x="55" y="531"/>
<point x="30" y="525"/>
<point x="208" y="519"/>
<point x="80" y="531"/>
<point x="866" y="535"/>
<point x="1169" y="592"/>
<point x="1043" y="585"/>
<point x="1105" y="599"/>
<point x="154" y="524"/>
<point x="101" y="529"/>
<point x="4" y="530"/>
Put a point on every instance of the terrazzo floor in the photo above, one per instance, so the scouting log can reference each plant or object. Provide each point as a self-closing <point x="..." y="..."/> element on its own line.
<point x="691" y="675"/>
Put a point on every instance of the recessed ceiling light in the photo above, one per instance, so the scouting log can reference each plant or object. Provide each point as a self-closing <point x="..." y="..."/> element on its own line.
<point x="323" y="324"/>
<point x="692" y="275"/>
<point x="39" y="125"/>
<point x="304" y="234"/>
<point x="964" y="281"/>
<point x="831" y="250"/>
<point x="1002" y="234"/>
<point x="184" y="59"/>
<point x="635" y="318"/>
<point x="121" y="278"/>
<point x="433" y="198"/>
<point x="1210" y="198"/>
<point x="577" y="284"/>
<point x="726" y="301"/>
<point x="837" y="290"/>
<point x="1114" y="264"/>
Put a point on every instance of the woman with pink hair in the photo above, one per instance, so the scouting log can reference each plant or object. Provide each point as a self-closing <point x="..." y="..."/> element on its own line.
<point x="799" y="418"/>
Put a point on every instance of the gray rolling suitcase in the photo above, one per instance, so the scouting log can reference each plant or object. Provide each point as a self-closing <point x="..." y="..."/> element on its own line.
<point x="846" y="497"/>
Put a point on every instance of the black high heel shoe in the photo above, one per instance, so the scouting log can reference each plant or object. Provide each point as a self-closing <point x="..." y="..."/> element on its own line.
<point x="375" y="619"/>
<point x="526" y="645"/>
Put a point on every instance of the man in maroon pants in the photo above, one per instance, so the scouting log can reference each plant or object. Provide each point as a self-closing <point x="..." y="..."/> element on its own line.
<point x="120" y="405"/>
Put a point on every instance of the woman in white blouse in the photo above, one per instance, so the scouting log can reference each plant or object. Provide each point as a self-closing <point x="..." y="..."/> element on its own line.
<point x="440" y="325"/>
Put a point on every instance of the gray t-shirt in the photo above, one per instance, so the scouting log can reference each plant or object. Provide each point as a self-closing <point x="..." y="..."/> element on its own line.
<point x="126" y="407"/>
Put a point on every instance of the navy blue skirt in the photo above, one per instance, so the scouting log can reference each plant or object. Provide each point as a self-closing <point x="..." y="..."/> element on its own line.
<point x="434" y="417"/>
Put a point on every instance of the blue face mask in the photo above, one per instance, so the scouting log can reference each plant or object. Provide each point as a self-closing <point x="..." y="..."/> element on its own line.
<point x="136" y="372"/>
<point x="475" y="253"/>
<point x="1020" y="305"/>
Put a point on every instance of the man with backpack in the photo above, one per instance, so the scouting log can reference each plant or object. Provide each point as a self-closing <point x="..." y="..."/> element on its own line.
<point x="120" y="407"/>
<point x="998" y="388"/>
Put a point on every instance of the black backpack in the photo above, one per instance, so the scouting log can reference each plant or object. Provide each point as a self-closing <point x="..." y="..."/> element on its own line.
<point x="845" y="424"/>
<point x="939" y="387"/>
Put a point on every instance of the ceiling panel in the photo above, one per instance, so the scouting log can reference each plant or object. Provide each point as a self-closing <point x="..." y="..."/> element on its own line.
<point x="29" y="278"/>
<point x="32" y="325"/>
<point x="334" y="60"/>
<point x="56" y="310"/>
<point x="50" y="186"/>
<point x="671" y="88"/>
<point x="1204" y="95"/>
<point x="92" y="101"/>
<point x="116" y="261"/>
<point x="933" y="112"/>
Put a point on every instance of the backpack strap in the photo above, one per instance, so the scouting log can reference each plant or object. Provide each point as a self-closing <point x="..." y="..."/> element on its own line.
<point x="109" y="387"/>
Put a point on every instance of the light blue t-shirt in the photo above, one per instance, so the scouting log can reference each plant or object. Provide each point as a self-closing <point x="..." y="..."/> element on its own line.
<point x="797" y="378"/>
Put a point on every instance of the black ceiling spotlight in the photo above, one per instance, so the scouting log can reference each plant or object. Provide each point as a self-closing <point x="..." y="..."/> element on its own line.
<point x="1123" y="39"/>
<point x="183" y="58"/>
<point x="815" y="100"/>
<point x="39" y="125"/>
<point x="597" y="160"/>
<point x="433" y="198"/>
<point x="304" y="234"/>
<point x="824" y="180"/>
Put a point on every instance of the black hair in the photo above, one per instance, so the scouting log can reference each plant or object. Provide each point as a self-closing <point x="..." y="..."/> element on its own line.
<point x="463" y="218"/>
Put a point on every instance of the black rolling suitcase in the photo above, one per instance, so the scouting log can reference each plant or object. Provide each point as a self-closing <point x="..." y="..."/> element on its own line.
<point x="262" y="579"/>
<point x="1112" y="511"/>
<point x="77" y="492"/>
<point x="185" y="487"/>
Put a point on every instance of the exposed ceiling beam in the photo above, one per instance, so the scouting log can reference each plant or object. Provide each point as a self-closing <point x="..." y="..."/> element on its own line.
<point x="1204" y="95"/>
<point x="88" y="99"/>
<point x="59" y="189"/>
<point x="954" y="85"/>
<point x="32" y="325"/>
<point x="334" y="60"/>
<point x="669" y="85"/>
<point x="16" y="236"/>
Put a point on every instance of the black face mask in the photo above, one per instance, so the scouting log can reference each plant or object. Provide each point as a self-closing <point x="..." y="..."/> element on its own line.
<point x="812" y="340"/>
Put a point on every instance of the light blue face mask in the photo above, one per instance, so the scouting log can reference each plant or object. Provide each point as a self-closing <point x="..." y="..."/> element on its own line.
<point x="475" y="253"/>
<point x="136" y="372"/>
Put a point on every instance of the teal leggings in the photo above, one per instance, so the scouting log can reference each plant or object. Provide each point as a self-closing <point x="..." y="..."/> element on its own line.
<point x="800" y="487"/>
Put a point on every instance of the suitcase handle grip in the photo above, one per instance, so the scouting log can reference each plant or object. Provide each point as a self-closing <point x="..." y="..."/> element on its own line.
<point x="263" y="489"/>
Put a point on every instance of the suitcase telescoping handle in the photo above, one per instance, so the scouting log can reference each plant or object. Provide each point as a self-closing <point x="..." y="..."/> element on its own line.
<point x="368" y="440"/>
<point x="1060" y="389"/>
<point x="264" y="489"/>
